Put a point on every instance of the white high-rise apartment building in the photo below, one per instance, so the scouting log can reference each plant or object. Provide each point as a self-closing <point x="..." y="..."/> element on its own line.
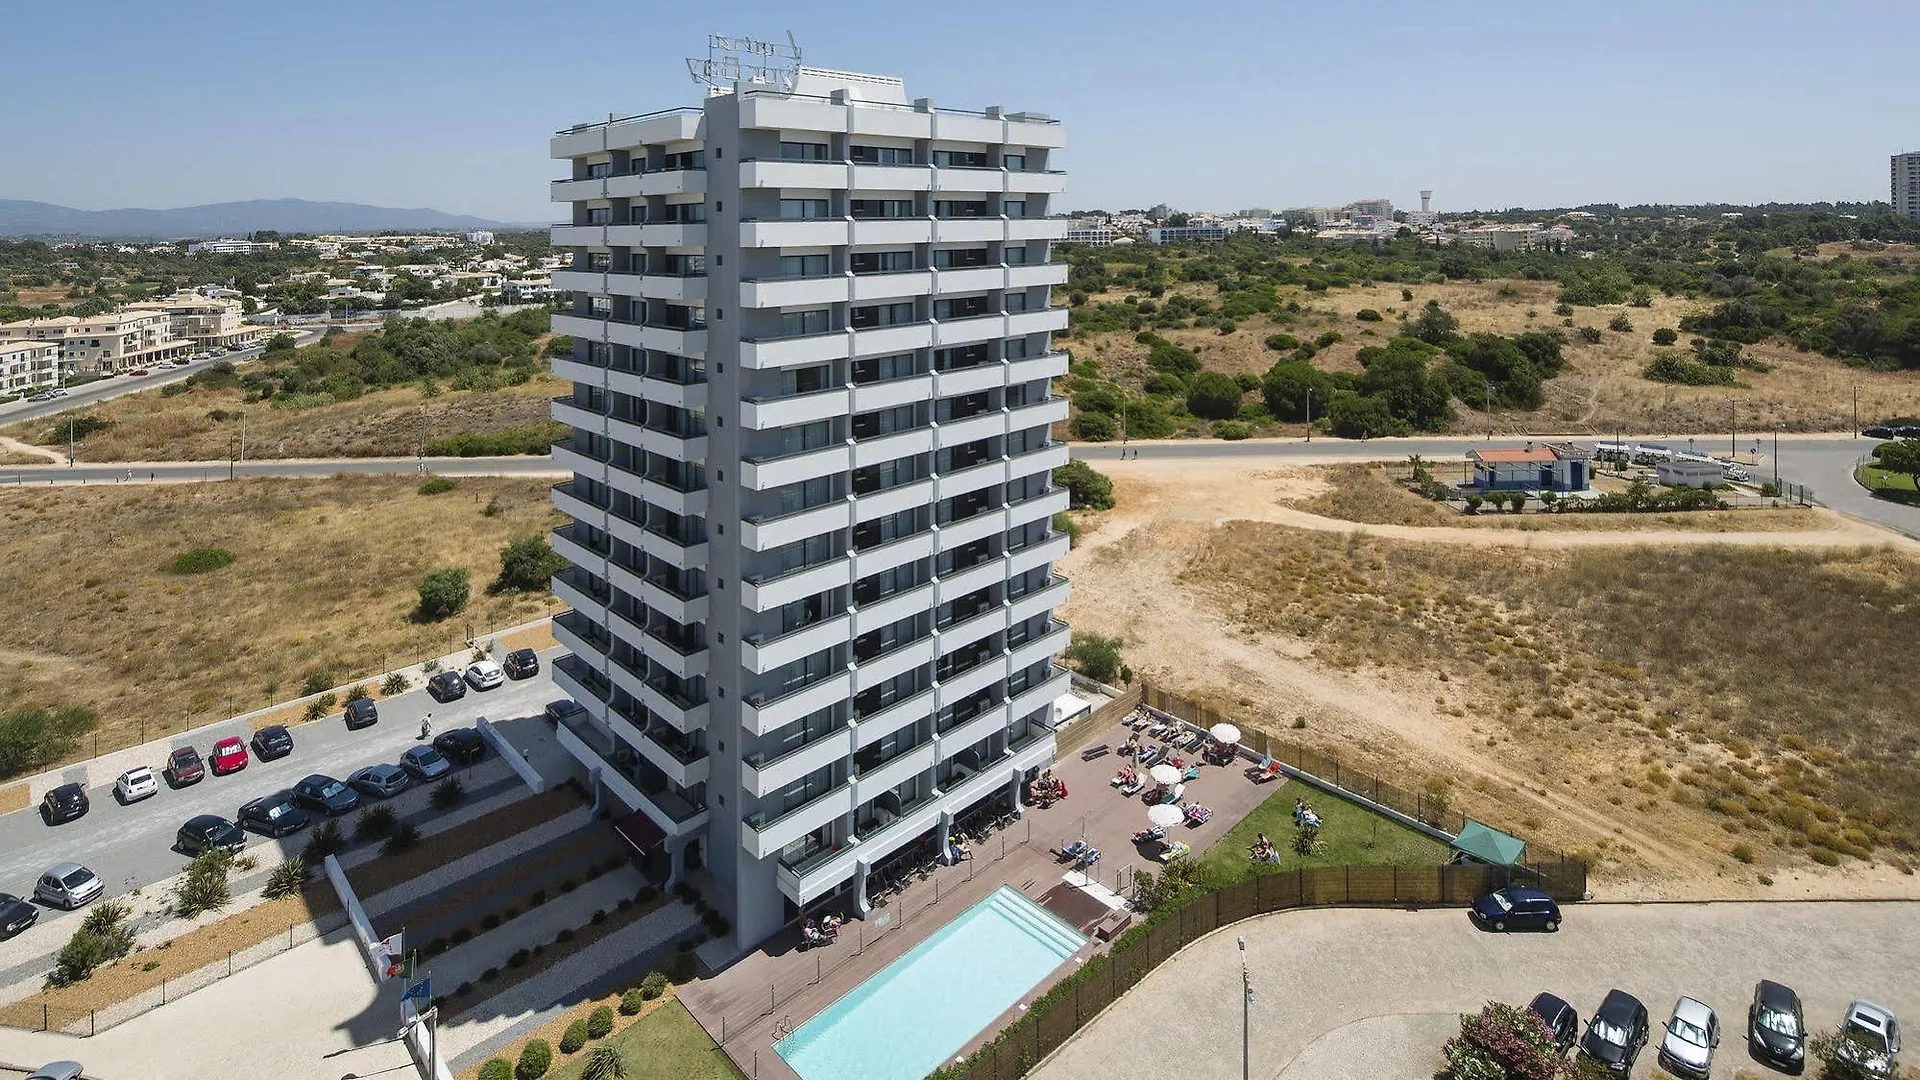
<point x="1906" y="185"/>
<point x="812" y="492"/>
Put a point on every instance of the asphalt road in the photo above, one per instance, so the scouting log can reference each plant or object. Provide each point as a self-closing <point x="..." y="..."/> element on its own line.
<point x="206" y="471"/>
<point x="121" y="385"/>
<point x="1320" y="976"/>
<point x="132" y="846"/>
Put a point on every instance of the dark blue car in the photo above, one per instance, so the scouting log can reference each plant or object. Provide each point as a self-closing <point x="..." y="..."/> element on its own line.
<point x="1517" y="908"/>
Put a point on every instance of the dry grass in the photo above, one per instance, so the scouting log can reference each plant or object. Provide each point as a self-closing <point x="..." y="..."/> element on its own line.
<point x="323" y="580"/>
<point x="14" y="798"/>
<point x="1724" y="691"/>
<point x="1374" y="495"/>
<point x="1601" y="390"/>
<point x="384" y="423"/>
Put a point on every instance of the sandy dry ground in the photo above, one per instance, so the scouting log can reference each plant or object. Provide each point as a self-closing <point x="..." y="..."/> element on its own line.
<point x="1127" y="580"/>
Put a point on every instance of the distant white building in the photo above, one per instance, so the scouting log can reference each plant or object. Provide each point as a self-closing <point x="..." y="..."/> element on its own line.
<point x="1176" y="234"/>
<point x="1091" y="233"/>
<point x="226" y="246"/>
<point x="481" y="237"/>
<point x="27" y="364"/>
<point x="528" y="290"/>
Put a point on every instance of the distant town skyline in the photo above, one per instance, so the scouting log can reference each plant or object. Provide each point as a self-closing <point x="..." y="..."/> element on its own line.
<point x="1241" y="104"/>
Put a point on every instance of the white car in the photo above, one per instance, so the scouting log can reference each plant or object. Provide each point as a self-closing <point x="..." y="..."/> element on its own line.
<point x="135" y="784"/>
<point x="485" y="675"/>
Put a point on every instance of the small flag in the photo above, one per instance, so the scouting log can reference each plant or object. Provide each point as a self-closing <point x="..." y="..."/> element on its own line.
<point x="397" y="968"/>
<point x="390" y="950"/>
<point x="422" y="990"/>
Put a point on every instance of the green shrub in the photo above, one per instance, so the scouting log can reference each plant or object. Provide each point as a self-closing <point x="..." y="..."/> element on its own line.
<point x="653" y="985"/>
<point x="1213" y="395"/>
<point x="448" y="793"/>
<point x="322" y="842"/>
<point x="1232" y="430"/>
<point x="1665" y="336"/>
<point x="103" y="937"/>
<point x="316" y="682"/>
<point x="35" y="736"/>
<point x="600" y="1023"/>
<point x="575" y="1037"/>
<point x="1670" y="366"/>
<point x="497" y="1069"/>
<point x="1589" y="334"/>
<point x="75" y="428"/>
<point x="518" y="959"/>
<point x="443" y="593"/>
<point x="1087" y="487"/>
<point x="406" y="837"/>
<point x="1367" y="314"/>
<point x="532" y="439"/>
<point x="201" y="560"/>
<point x="375" y="823"/>
<point x="526" y="565"/>
<point x="683" y="967"/>
<point x="1620" y="324"/>
<point x="1093" y="427"/>
<point x="358" y="691"/>
<point x="204" y="888"/>
<point x="632" y="1002"/>
<point x="394" y="685"/>
<point x="535" y="1060"/>
<point x="438" y="485"/>
<point x="1096" y="655"/>
<point x="287" y="879"/>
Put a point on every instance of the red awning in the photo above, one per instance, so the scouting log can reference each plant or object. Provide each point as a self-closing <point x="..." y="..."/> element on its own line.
<point x="640" y="831"/>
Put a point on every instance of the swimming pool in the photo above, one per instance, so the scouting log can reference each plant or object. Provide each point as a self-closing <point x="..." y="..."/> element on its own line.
<point x="902" y="1023"/>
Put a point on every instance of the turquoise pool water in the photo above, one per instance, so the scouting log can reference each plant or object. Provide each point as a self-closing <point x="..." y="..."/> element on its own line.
<point x="922" y="1008"/>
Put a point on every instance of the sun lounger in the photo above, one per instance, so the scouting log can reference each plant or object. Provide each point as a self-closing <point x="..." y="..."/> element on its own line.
<point x="1092" y="752"/>
<point x="1192" y="773"/>
<point x="1172" y="794"/>
<point x="1132" y="787"/>
<point x="1198" y="815"/>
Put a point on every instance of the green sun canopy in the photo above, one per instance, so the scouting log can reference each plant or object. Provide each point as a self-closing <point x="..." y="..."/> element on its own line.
<point x="1489" y="845"/>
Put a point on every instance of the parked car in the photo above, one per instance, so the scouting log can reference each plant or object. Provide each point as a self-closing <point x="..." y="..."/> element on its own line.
<point x="1559" y="1018"/>
<point x="135" y="784"/>
<point x="565" y="709"/>
<point x="1518" y="907"/>
<point x="425" y="763"/>
<point x="1692" y="1034"/>
<point x="44" y="395"/>
<point x="64" y="803"/>
<point x="229" y="756"/>
<point x="210" y="832"/>
<point x="1872" y="1038"/>
<point x="447" y="686"/>
<point x="273" y="742"/>
<point x="1776" y="1029"/>
<point x="485" y="675"/>
<point x="15" y="915"/>
<point x="138" y="372"/>
<point x="68" y="885"/>
<point x="522" y="664"/>
<point x="462" y="746"/>
<point x="274" y="815"/>
<point x="1879" y="431"/>
<point x="381" y="781"/>
<point x="184" y="767"/>
<point x="58" y="1070"/>
<point x="361" y="712"/>
<point x="323" y="794"/>
<point x="1616" y="1033"/>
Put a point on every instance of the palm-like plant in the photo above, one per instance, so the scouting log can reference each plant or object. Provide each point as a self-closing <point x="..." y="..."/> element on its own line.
<point x="604" y="1063"/>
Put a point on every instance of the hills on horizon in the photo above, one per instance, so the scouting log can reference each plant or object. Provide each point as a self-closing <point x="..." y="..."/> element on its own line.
<point x="21" y="218"/>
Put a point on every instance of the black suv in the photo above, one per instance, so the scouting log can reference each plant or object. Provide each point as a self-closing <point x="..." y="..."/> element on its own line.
<point x="64" y="803"/>
<point x="1517" y="908"/>
<point x="272" y="742"/>
<point x="361" y="713"/>
<point x="447" y="686"/>
<point x="1617" y="1032"/>
<point x="522" y="664"/>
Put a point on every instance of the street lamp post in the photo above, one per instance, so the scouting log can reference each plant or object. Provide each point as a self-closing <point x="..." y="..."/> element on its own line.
<point x="1246" y="1015"/>
<point x="1309" y="414"/>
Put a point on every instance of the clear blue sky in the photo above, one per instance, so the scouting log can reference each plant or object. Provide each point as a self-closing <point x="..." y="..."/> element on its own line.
<point x="1492" y="103"/>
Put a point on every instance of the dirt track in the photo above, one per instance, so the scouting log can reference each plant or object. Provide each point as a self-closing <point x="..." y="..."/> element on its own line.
<point x="1126" y="574"/>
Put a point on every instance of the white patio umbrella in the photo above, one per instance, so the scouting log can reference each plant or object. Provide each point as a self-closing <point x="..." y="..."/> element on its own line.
<point x="1224" y="733"/>
<point x="1165" y="814"/>
<point x="1164" y="774"/>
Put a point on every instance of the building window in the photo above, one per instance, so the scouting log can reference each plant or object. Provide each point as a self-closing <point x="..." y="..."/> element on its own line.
<point x="960" y="159"/>
<point x="1015" y="162"/>
<point x="688" y="160"/>
<point x="599" y="215"/>
<point x="599" y="262"/>
<point x="803" y="151"/>
<point x="803" y="209"/>
<point x="1014" y="208"/>
<point x="882" y="155"/>
<point x="599" y="169"/>
<point x="873" y="369"/>
<point x="1016" y="301"/>
<point x="965" y="307"/>
<point x="804" y="266"/>
<point x="954" y="208"/>
<point x="958" y="258"/>
<point x="882" y="315"/>
<point x="880" y="208"/>
<point x="1015" y="255"/>
<point x="802" y="323"/>
<point x="881" y="262"/>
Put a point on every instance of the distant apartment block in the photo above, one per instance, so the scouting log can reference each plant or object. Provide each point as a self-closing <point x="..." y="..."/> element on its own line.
<point x="27" y="364"/>
<point x="1906" y="185"/>
<point x="481" y="237"/>
<point x="1092" y="234"/>
<point x="204" y="322"/>
<point x="1179" y="234"/>
<point x="115" y="342"/>
<point x="527" y="290"/>
<point x="811" y="495"/>
<point x="228" y="247"/>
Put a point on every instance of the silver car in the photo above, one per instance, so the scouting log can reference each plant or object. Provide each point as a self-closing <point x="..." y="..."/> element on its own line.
<point x="1872" y="1038"/>
<point x="1692" y="1034"/>
<point x="68" y="885"/>
<point x="380" y="781"/>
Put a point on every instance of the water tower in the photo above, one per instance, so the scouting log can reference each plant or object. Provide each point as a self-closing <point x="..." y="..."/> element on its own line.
<point x="1426" y="201"/>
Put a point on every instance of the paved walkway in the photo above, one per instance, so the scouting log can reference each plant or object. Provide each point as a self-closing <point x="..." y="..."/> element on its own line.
<point x="778" y="984"/>
<point x="237" y="1029"/>
<point x="1315" y="972"/>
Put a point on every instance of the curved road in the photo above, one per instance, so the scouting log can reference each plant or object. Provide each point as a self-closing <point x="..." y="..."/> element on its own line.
<point x="1397" y="978"/>
<point x="121" y="385"/>
<point x="1823" y="463"/>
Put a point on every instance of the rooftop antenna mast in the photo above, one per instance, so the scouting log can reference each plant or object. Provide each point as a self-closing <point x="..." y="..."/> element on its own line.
<point x="743" y="59"/>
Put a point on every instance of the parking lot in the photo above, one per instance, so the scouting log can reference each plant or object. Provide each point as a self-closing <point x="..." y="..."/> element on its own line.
<point x="1374" y="992"/>
<point x="132" y="846"/>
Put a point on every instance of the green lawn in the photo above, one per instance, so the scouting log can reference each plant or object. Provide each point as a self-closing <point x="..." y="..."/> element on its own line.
<point x="1898" y="487"/>
<point x="1350" y="835"/>
<point x="665" y="1044"/>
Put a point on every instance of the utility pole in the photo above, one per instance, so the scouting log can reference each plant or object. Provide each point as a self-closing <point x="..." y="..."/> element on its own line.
<point x="69" y="442"/>
<point x="1776" y="458"/>
<point x="1733" y="420"/>
<point x="1309" y="414"/>
<point x="1485" y="382"/>
<point x="1856" y="410"/>
<point x="243" y="436"/>
<point x="1246" y="1015"/>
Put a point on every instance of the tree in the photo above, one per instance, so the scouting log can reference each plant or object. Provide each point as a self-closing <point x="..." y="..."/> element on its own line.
<point x="1093" y="427"/>
<point x="1097" y="656"/>
<point x="1178" y="220"/>
<point x="1846" y="1054"/>
<point x="443" y="593"/>
<point x="36" y="736"/>
<point x="1213" y="395"/>
<point x="1620" y="324"/>
<point x="1360" y="416"/>
<point x="525" y="566"/>
<point x="1901" y="457"/>
<point x="1665" y="336"/>
<point x="1293" y="386"/>
<point x="1435" y="324"/>
<point x="604" y="1063"/>
<point x="1087" y="487"/>
<point x="1502" y="1042"/>
<point x="280" y="343"/>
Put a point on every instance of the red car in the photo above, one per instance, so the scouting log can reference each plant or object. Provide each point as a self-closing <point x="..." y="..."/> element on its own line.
<point x="229" y="755"/>
<point x="137" y="372"/>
